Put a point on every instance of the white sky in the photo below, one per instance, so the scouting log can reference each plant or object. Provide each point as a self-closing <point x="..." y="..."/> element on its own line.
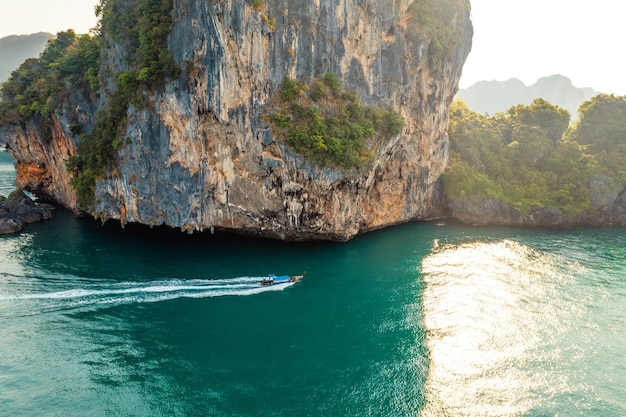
<point x="22" y="17"/>
<point x="530" y="39"/>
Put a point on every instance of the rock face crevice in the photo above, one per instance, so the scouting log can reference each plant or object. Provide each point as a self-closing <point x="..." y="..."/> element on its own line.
<point x="200" y="156"/>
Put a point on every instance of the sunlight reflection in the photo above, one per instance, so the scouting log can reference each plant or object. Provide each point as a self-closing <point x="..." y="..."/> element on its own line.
<point x="11" y="254"/>
<point x="492" y="320"/>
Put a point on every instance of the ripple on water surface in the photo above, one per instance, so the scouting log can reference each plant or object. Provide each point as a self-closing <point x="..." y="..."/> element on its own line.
<point x="508" y="332"/>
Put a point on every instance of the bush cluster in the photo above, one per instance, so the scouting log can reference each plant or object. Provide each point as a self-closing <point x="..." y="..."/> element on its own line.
<point x="142" y="28"/>
<point x="328" y="125"/>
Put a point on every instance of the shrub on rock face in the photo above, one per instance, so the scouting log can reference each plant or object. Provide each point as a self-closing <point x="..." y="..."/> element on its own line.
<point x="328" y="125"/>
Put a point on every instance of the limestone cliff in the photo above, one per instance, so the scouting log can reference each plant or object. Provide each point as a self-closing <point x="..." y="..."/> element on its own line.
<point x="199" y="156"/>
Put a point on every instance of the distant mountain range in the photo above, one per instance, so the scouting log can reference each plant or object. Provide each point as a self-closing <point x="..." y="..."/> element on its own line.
<point x="497" y="96"/>
<point x="16" y="49"/>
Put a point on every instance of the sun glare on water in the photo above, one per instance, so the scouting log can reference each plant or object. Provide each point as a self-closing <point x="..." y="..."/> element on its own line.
<point x="492" y="322"/>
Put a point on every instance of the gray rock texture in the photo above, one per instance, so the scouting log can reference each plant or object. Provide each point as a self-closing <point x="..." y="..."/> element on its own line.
<point x="18" y="209"/>
<point x="199" y="155"/>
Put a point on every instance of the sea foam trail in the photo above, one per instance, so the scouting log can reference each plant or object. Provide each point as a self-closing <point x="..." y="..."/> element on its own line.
<point x="103" y="293"/>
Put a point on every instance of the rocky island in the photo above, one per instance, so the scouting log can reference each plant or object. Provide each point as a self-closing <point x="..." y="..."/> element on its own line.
<point x="166" y="122"/>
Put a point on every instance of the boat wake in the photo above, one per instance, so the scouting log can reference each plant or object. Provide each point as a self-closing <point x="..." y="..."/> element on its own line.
<point x="102" y="293"/>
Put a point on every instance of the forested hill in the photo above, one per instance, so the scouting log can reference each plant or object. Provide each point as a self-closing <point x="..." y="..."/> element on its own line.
<point x="528" y="166"/>
<point x="15" y="49"/>
<point x="492" y="97"/>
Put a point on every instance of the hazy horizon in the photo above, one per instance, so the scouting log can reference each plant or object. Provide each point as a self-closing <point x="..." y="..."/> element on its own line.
<point x="536" y="38"/>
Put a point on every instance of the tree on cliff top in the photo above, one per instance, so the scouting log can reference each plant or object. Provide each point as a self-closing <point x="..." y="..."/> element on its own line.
<point x="601" y="127"/>
<point x="551" y="119"/>
<point x="69" y="63"/>
<point x="16" y="49"/>
<point x="601" y="122"/>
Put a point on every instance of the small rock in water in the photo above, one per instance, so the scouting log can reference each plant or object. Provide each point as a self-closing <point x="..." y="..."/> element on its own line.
<point x="18" y="209"/>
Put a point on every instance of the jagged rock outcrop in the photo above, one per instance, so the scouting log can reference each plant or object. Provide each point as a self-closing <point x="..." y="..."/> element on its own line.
<point x="200" y="156"/>
<point x="40" y="162"/>
<point x="18" y="209"/>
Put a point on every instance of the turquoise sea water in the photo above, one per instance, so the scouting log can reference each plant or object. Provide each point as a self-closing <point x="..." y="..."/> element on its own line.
<point x="7" y="174"/>
<point x="425" y="319"/>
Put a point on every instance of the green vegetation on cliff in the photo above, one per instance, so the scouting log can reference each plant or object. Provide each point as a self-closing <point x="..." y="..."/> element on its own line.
<point x="141" y="27"/>
<point x="71" y="64"/>
<point x="328" y="125"/>
<point x="431" y="18"/>
<point x="529" y="158"/>
<point x="68" y="64"/>
<point x="16" y="49"/>
<point x="601" y="127"/>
